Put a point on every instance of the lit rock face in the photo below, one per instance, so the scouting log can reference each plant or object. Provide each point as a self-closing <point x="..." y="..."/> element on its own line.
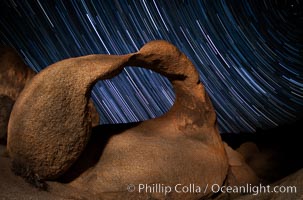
<point x="14" y="75"/>
<point x="50" y="127"/>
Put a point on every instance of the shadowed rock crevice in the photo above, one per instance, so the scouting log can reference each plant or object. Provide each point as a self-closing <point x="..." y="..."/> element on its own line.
<point x="91" y="154"/>
<point x="6" y="105"/>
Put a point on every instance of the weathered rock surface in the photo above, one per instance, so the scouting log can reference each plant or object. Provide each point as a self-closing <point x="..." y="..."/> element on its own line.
<point x="284" y="187"/>
<point x="263" y="162"/>
<point x="13" y="187"/>
<point x="50" y="127"/>
<point x="14" y="75"/>
<point x="273" y="153"/>
<point x="239" y="173"/>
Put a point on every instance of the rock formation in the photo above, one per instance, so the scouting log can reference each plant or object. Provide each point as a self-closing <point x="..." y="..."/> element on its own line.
<point x="50" y="127"/>
<point x="6" y="105"/>
<point x="239" y="173"/>
<point x="290" y="187"/>
<point x="14" y="75"/>
<point x="14" y="187"/>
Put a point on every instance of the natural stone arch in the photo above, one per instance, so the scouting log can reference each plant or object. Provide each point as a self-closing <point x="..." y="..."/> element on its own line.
<point x="50" y="125"/>
<point x="14" y="75"/>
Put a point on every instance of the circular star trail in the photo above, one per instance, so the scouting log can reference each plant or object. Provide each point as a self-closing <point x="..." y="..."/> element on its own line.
<point x="248" y="53"/>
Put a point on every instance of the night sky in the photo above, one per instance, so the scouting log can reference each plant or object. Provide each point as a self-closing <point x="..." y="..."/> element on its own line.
<point x="248" y="52"/>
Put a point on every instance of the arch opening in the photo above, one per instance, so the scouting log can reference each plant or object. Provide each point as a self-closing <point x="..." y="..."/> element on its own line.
<point x="136" y="94"/>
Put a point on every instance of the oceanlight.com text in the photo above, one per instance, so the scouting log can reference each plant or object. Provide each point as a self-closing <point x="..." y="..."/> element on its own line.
<point x="215" y="188"/>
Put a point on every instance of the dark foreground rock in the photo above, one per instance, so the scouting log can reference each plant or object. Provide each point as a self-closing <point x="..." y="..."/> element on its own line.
<point x="6" y="105"/>
<point x="290" y="187"/>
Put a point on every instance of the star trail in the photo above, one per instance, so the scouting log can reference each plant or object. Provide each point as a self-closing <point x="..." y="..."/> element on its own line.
<point x="248" y="53"/>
